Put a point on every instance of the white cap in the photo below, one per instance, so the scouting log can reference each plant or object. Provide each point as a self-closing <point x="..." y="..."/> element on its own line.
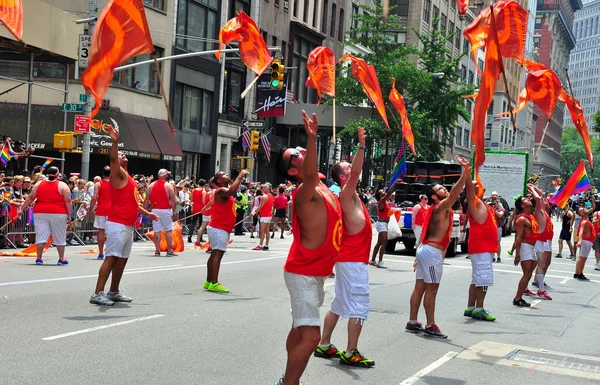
<point x="494" y="193"/>
<point x="163" y="172"/>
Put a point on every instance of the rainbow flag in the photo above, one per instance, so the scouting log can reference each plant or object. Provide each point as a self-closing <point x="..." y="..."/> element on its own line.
<point x="6" y="154"/>
<point x="47" y="163"/>
<point x="289" y="186"/>
<point x="400" y="167"/>
<point x="577" y="183"/>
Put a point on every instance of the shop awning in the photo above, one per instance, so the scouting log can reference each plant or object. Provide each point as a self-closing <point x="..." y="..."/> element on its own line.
<point x="165" y="139"/>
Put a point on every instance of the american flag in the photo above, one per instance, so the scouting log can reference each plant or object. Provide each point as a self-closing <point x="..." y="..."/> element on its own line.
<point x="245" y="138"/>
<point x="266" y="145"/>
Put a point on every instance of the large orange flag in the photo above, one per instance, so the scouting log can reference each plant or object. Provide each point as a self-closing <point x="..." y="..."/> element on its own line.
<point x="321" y="71"/>
<point x="11" y="15"/>
<point x="366" y="76"/>
<point x="253" y="49"/>
<point x="398" y="101"/>
<point x="121" y="33"/>
<point x="463" y="5"/>
<point x="579" y="121"/>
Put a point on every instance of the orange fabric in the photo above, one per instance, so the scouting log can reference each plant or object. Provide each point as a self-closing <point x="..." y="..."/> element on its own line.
<point x="49" y="200"/>
<point x="444" y="242"/>
<point x="366" y="76"/>
<point x="253" y="49"/>
<point x="178" y="245"/>
<point x="579" y="121"/>
<point x="28" y="252"/>
<point x="463" y="5"/>
<point x="398" y="101"/>
<point x="121" y="33"/>
<point x="11" y="15"/>
<point x="357" y="247"/>
<point x="483" y="237"/>
<point x="321" y="70"/>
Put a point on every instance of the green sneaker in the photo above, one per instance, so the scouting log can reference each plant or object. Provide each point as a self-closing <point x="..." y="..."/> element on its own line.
<point x="468" y="313"/>
<point x="483" y="315"/>
<point x="356" y="359"/>
<point x="206" y="283"/>
<point x="327" y="352"/>
<point x="217" y="288"/>
<point x="509" y="253"/>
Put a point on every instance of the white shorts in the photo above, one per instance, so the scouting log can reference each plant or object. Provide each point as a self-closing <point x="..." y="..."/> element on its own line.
<point x="482" y="270"/>
<point x="430" y="264"/>
<point x="499" y="233"/>
<point x="586" y="248"/>
<point x="527" y="252"/>
<point x="100" y="221"/>
<point x="164" y="222"/>
<point x="351" y="298"/>
<point x="417" y="230"/>
<point x="381" y="226"/>
<point x="55" y="224"/>
<point x="541" y="247"/>
<point x="119" y="239"/>
<point x="265" y="219"/>
<point x="206" y="218"/>
<point x="219" y="239"/>
<point x="306" y="295"/>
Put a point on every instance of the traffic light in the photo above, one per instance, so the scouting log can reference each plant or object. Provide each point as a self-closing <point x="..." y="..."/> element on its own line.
<point x="277" y="71"/>
<point x="254" y="137"/>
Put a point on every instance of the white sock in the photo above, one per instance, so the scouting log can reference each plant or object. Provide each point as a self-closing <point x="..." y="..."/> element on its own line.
<point x="325" y="346"/>
<point x="540" y="280"/>
<point x="478" y="309"/>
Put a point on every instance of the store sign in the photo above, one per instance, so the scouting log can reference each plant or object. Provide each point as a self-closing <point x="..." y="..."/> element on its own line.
<point x="174" y="158"/>
<point x="82" y="123"/>
<point x="270" y="103"/>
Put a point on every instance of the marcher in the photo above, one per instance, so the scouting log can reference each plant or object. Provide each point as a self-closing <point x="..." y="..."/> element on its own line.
<point x="383" y="217"/>
<point x="160" y="199"/>
<point x="566" y="232"/>
<point x="351" y="299"/>
<point x="255" y="218"/>
<point x="418" y="217"/>
<point x="52" y="212"/>
<point x="587" y="236"/>
<point x="499" y="212"/>
<point x="206" y="211"/>
<point x="543" y="244"/>
<point x="241" y="205"/>
<point x="430" y="254"/>
<point x="265" y="209"/>
<point x="526" y="234"/>
<point x="119" y="226"/>
<point x="280" y="204"/>
<point x="102" y="199"/>
<point x="197" y="201"/>
<point x="317" y="229"/>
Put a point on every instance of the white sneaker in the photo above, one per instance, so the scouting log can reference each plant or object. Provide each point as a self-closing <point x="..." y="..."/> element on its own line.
<point x="597" y="266"/>
<point x="381" y="265"/>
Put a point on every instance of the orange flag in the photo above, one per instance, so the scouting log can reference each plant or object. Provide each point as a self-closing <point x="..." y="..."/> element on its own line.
<point x="11" y="15"/>
<point x="121" y="33"/>
<point x="579" y="121"/>
<point x="366" y="76"/>
<point x="463" y="5"/>
<point x="398" y="101"/>
<point x="253" y="49"/>
<point x="321" y="70"/>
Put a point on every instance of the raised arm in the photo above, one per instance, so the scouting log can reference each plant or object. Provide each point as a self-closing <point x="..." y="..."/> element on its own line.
<point x="310" y="172"/>
<point x="115" y="165"/>
<point x="236" y="183"/>
<point x="448" y="202"/>
<point x="472" y="199"/>
<point x="357" y="165"/>
<point x="539" y="205"/>
<point x="591" y="210"/>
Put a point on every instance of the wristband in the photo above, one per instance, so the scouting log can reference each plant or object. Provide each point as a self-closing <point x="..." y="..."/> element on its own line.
<point x="362" y="147"/>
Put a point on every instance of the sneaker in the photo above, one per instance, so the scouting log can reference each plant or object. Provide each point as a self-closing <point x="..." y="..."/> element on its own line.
<point x="434" y="331"/>
<point x="217" y="288"/>
<point x="534" y="283"/>
<point x="272" y="235"/>
<point x="529" y="293"/>
<point x="118" y="297"/>
<point x="100" y="299"/>
<point x="252" y="236"/>
<point x="543" y="294"/>
<point x="498" y="260"/>
<point x="468" y="313"/>
<point x="572" y="257"/>
<point x="558" y="256"/>
<point x="521" y="303"/>
<point x="259" y="247"/>
<point x="206" y="283"/>
<point x="197" y="243"/>
<point x="171" y="254"/>
<point x="356" y="359"/>
<point x="157" y="253"/>
<point x="327" y="352"/>
<point x="372" y="262"/>
<point x="381" y="265"/>
<point x="190" y="240"/>
<point x="509" y="253"/>
<point x="282" y="379"/>
<point x="583" y="278"/>
<point x="39" y="261"/>
<point x="282" y="237"/>
<point x="494" y="260"/>
<point x="597" y="267"/>
<point x="483" y="315"/>
<point x="266" y="248"/>
<point x="100" y="256"/>
<point x="62" y="262"/>
<point x="414" y="328"/>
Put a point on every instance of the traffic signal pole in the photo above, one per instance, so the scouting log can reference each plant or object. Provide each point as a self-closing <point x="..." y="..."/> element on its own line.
<point x="87" y="108"/>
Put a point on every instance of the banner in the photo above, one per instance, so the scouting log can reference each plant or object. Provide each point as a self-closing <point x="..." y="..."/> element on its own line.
<point x="269" y="102"/>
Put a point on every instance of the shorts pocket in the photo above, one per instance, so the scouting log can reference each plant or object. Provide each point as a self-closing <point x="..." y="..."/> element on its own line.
<point x="358" y="289"/>
<point x="360" y="302"/>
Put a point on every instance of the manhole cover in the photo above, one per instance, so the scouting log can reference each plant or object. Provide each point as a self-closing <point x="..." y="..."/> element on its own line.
<point x="556" y="360"/>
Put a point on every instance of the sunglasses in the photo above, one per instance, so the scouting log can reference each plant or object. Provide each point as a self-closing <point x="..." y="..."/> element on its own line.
<point x="441" y="188"/>
<point x="294" y="153"/>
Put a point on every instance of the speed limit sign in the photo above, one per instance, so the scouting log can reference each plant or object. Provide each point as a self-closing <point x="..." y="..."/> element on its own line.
<point x="85" y="44"/>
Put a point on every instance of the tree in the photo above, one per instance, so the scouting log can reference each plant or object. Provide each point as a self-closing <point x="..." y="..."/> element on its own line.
<point x="572" y="152"/>
<point x="596" y="122"/>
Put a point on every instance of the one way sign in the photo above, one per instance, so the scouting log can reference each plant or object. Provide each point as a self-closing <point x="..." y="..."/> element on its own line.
<point x="253" y="124"/>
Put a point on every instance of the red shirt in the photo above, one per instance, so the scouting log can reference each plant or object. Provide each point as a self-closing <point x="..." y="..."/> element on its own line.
<point x="592" y="236"/>
<point x="104" y="202"/>
<point x="483" y="237"/>
<point x="548" y="232"/>
<point x="158" y="196"/>
<point x="125" y="205"/>
<point x="223" y="215"/>
<point x="198" y="200"/>
<point x="206" y="200"/>
<point x="357" y="247"/>
<point x="280" y="202"/>
<point x="384" y="215"/>
<point x="533" y="237"/>
<point x="267" y="209"/>
<point x="49" y="199"/>
<point x="317" y="262"/>
<point x="446" y="240"/>
<point x="420" y="217"/>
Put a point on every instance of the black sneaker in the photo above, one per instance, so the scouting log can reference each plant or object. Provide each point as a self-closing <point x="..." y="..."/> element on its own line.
<point x="414" y="328"/>
<point x="434" y="331"/>
<point x="498" y="260"/>
<point x="558" y="256"/>
<point x="266" y="248"/>
<point x="521" y="303"/>
<point x="583" y="278"/>
<point x="576" y="276"/>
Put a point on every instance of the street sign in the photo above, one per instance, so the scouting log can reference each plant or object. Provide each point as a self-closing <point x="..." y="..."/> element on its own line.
<point x="85" y="44"/>
<point x="82" y="123"/>
<point x="254" y="124"/>
<point x="495" y="144"/>
<point x="83" y="98"/>
<point x="72" y="107"/>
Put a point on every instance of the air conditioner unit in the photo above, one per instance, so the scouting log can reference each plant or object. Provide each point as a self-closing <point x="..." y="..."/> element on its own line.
<point x="286" y="4"/>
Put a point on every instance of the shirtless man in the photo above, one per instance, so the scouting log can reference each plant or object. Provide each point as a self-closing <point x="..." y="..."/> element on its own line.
<point x="543" y="244"/>
<point x="160" y="199"/>
<point x="418" y="217"/>
<point x="317" y="229"/>
<point x="351" y="298"/>
<point x="587" y="236"/>
<point x="430" y="254"/>
<point x="102" y="197"/>
<point x="526" y="231"/>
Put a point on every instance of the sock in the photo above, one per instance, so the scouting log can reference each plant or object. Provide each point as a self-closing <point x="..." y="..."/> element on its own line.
<point x="478" y="309"/>
<point x="428" y="326"/>
<point x="348" y="355"/>
<point x="470" y="308"/>
<point x="325" y="346"/>
<point x="413" y="322"/>
<point x="540" y="280"/>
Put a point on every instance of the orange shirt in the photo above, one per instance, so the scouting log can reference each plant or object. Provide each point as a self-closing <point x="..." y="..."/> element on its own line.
<point x="223" y="215"/>
<point x="198" y="200"/>
<point x="267" y="209"/>
<point x="124" y="209"/>
<point x="548" y="232"/>
<point x="384" y="215"/>
<point x="206" y="200"/>
<point x="49" y="199"/>
<point x="533" y="237"/>
<point x="446" y="240"/>
<point x="420" y="217"/>
<point x="104" y="202"/>
<point x="357" y="247"/>
<point x="592" y="236"/>
<point x="158" y="196"/>
<point x="483" y="238"/>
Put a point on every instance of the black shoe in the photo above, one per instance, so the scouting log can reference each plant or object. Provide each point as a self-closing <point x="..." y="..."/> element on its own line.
<point x="498" y="260"/>
<point x="576" y="276"/>
<point x="434" y="331"/>
<point x="272" y="235"/>
<point x="252" y="236"/>
<point x="558" y="256"/>
<point x="583" y="278"/>
<point x="266" y="248"/>
<point x="189" y="240"/>
<point x="414" y="328"/>
<point x="521" y="303"/>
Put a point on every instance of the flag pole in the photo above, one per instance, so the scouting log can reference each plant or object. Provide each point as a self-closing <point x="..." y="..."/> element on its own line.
<point x="334" y="120"/>
<point x="162" y="90"/>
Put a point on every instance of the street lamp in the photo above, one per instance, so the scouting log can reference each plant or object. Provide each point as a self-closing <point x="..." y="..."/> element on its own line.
<point x="438" y="75"/>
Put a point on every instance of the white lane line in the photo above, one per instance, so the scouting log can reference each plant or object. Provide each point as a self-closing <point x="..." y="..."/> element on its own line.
<point x="564" y="281"/>
<point x="96" y="328"/>
<point x="533" y="303"/>
<point x="134" y="272"/>
<point x="153" y="267"/>
<point x="429" y="368"/>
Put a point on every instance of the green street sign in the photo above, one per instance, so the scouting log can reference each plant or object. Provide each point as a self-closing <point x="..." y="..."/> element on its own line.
<point x="72" y="107"/>
<point x="83" y="98"/>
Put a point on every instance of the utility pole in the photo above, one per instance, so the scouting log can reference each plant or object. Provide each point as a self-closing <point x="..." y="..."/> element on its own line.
<point x="87" y="109"/>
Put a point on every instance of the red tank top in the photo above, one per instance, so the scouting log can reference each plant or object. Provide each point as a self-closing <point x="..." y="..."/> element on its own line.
<point x="267" y="209"/>
<point x="533" y="237"/>
<point x="357" y="247"/>
<point x="548" y="232"/>
<point x="483" y="237"/>
<point x="223" y="215"/>
<point x="385" y="214"/>
<point x="592" y="235"/>
<point x="444" y="242"/>
<point x="420" y="217"/>
<point x="124" y="203"/>
<point x="317" y="262"/>
<point x="104" y="202"/>
<point x="206" y="200"/>
<point x="158" y="196"/>
<point x="198" y="200"/>
<point x="49" y="200"/>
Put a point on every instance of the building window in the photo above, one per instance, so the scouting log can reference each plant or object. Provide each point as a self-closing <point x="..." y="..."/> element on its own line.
<point x="453" y="4"/>
<point x="536" y="42"/>
<point x="192" y="108"/>
<point x="333" y="20"/>
<point x="355" y="11"/>
<point x="277" y="3"/>
<point x="315" y="14"/>
<point x="427" y="11"/>
<point x="143" y="77"/>
<point x="324" y="18"/>
<point x="463" y="73"/>
<point x="466" y="46"/>
<point x="480" y="65"/>
<point x="457" y="39"/>
<point x="436" y="14"/>
<point x="198" y="21"/>
<point x="341" y="26"/>
<point x="236" y="6"/>
<point x="471" y="77"/>
<point x="443" y="20"/>
<point x="466" y="138"/>
<point x="305" y="12"/>
<point x="295" y="10"/>
<point x="301" y="50"/>
<point x="158" y="4"/>
<point x="458" y="137"/>
<point x="538" y="22"/>
<point x="234" y="84"/>
<point x="450" y="29"/>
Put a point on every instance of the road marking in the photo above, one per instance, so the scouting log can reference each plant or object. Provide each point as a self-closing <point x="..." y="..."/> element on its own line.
<point x="533" y="303"/>
<point x="153" y="267"/>
<point x="96" y="328"/>
<point x="564" y="281"/>
<point x="429" y="368"/>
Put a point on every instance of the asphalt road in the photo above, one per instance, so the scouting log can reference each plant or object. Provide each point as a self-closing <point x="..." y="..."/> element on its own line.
<point x="176" y="333"/>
